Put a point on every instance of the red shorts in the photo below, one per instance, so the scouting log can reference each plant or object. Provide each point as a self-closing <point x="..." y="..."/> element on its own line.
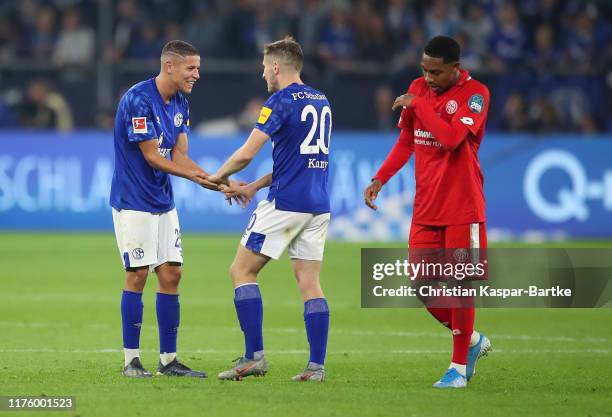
<point x="467" y="236"/>
<point x="456" y="244"/>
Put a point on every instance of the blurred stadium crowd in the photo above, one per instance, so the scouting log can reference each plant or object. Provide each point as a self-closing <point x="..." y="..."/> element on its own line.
<point x="547" y="62"/>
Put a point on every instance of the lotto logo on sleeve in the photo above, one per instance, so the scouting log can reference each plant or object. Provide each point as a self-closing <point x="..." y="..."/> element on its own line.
<point x="263" y="116"/>
<point x="139" y="125"/>
<point x="467" y="121"/>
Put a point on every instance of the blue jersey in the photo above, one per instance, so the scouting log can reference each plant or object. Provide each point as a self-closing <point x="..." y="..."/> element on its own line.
<point x="143" y="115"/>
<point x="298" y="120"/>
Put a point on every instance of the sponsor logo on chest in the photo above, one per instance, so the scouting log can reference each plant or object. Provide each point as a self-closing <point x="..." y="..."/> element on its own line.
<point x="426" y="138"/>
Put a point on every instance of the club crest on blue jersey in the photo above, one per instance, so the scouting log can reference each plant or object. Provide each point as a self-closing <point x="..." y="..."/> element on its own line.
<point x="178" y="119"/>
<point x="476" y="103"/>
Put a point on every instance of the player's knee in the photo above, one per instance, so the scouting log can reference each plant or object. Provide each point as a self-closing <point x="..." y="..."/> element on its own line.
<point x="241" y="274"/>
<point x="171" y="280"/>
<point x="237" y="271"/>
<point x="306" y="278"/>
<point x="233" y="270"/>
<point x="308" y="284"/>
<point x="136" y="278"/>
<point x="175" y="278"/>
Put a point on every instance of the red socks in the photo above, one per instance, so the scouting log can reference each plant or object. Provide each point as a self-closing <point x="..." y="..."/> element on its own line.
<point x="462" y="326"/>
<point x="461" y="322"/>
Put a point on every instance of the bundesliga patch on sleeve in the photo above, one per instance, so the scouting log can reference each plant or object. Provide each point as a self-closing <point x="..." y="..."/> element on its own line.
<point x="139" y="125"/>
<point x="264" y="115"/>
<point x="476" y="103"/>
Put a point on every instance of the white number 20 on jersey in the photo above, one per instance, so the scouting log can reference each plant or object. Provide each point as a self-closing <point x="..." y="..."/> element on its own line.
<point x="306" y="147"/>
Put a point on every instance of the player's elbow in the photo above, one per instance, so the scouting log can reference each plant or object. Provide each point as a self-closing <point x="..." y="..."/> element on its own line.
<point x="152" y="159"/>
<point x="453" y="141"/>
<point x="245" y="156"/>
<point x="248" y="158"/>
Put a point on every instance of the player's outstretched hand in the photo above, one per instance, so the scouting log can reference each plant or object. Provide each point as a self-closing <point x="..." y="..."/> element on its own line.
<point x="370" y="194"/>
<point x="202" y="179"/>
<point x="240" y="192"/>
<point x="232" y="194"/>
<point x="405" y="100"/>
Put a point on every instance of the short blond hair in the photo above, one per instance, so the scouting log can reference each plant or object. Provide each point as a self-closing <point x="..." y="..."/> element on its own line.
<point x="288" y="51"/>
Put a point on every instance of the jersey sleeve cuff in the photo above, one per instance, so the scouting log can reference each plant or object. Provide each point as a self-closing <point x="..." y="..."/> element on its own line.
<point x="382" y="180"/>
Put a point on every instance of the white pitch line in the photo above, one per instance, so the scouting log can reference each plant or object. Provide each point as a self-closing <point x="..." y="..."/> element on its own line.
<point x="303" y="352"/>
<point x="294" y="330"/>
<point x="113" y="299"/>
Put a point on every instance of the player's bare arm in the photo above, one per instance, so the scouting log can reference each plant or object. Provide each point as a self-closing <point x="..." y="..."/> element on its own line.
<point x="263" y="182"/>
<point x="180" y="156"/>
<point x="241" y="158"/>
<point x="150" y="151"/>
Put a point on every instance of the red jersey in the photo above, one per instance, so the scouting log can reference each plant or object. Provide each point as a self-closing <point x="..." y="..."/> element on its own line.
<point x="444" y="131"/>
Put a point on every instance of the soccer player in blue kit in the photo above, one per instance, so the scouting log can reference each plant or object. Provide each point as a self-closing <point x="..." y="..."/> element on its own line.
<point x="295" y="215"/>
<point x="151" y="124"/>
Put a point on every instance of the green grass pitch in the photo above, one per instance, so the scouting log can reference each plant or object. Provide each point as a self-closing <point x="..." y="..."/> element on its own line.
<point x="60" y="335"/>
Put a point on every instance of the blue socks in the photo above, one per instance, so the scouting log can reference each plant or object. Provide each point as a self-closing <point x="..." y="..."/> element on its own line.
<point x="131" y="316"/>
<point x="249" y="308"/>
<point x="168" y="318"/>
<point x="316" y="318"/>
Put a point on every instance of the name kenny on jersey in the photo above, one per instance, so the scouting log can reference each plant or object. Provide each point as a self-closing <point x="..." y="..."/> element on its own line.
<point x="315" y="163"/>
